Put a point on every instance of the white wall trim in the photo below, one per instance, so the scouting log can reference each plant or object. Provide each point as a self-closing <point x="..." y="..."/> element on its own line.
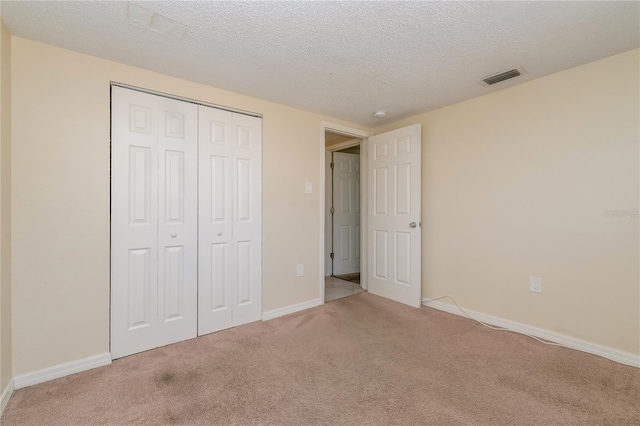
<point x="6" y="395"/>
<point x="61" y="370"/>
<point x="291" y="309"/>
<point x="616" y="355"/>
<point x="343" y="130"/>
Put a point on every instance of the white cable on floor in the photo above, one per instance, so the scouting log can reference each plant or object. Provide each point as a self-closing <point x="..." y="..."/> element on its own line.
<point x="496" y="328"/>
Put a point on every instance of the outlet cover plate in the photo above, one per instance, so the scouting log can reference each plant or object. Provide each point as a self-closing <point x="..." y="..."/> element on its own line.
<point x="535" y="284"/>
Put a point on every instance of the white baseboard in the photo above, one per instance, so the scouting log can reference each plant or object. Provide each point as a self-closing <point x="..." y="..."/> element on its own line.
<point x="6" y="395"/>
<point x="571" y="342"/>
<point x="61" y="370"/>
<point x="291" y="309"/>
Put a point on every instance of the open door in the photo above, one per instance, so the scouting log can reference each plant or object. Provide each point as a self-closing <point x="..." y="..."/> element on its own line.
<point x="394" y="215"/>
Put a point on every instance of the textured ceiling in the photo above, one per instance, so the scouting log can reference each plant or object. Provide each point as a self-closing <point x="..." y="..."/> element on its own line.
<point x="342" y="59"/>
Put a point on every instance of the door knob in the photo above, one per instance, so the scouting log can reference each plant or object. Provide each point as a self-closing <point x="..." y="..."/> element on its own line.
<point x="219" y="233"/>
<point x="173" y="235"/>
<point x="413" y="225"/>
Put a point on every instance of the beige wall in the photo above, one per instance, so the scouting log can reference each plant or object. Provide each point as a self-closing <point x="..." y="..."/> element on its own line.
<point x="61" y="198"/>
<point x="5" y="209"/>
<point x="517" y="182"/>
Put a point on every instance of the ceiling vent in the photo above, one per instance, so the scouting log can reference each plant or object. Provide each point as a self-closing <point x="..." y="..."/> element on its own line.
<point x="502" y="76"/>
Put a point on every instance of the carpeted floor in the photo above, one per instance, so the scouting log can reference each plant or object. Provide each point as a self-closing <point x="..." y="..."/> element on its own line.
<point x="361" y="360"/>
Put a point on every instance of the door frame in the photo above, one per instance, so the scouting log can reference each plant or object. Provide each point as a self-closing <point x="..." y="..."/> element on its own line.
<point x="361" y="137"/>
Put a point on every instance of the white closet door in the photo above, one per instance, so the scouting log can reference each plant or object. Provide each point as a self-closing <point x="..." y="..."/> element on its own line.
<point x="177" y="221"/>
<point x="230" y="200"/>
<point x="215" y="269"/>
<point x="247" y="219"/>
<point x="134" y="222"/>
<point x="153" y="197"/>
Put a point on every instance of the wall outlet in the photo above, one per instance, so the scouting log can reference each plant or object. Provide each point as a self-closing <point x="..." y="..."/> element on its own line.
<point x="300" y="270"/>
<point x="308" y="188"/>
<point x="535" y="284"/>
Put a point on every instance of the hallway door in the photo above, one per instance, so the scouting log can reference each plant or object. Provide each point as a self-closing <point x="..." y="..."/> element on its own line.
<point x="346" y="213"/>
<point x="394" y="214"/>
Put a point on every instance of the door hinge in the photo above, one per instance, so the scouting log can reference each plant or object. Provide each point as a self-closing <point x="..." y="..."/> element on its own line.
<point x="332" y="210"/>
<point x="332" y="165"/>
<point x="331" y="255"/>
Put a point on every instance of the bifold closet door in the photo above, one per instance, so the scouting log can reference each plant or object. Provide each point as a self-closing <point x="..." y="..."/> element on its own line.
<point x="230" y="200"/>
<point x="153" y="221"/>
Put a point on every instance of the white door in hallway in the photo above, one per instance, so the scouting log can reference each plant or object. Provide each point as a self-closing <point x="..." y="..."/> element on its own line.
<point x="346" y="213"/>
<point x="153" y="221"/>
<point x="394" y="215"/>
<point x="230" y="220"/>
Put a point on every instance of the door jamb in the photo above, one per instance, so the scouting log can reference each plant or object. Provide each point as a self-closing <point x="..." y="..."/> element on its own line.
<point x="362" y="136"/>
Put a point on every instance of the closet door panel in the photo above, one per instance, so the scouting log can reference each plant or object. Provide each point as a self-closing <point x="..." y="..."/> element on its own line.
<point x="177" y="220"/>
<point x="247" y="219"/>
<point x="134" y="222"/>
<point x="216" y="269"/>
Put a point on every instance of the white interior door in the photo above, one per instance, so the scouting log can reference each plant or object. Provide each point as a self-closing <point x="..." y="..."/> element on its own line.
<point x="346" y="213"/>
<point x="177" y="221"/>
<point x="230" y="202"/>
<point x="153" y="221"/>
<point x="247" y="219"/>
<point x="215" y="272"/>
<point x="394" y="215"/>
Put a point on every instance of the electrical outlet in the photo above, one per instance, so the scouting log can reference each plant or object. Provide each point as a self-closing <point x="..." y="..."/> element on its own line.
<point x="308" y="188"/>
<point x="300" y="270"/>
<point x="535" y="284"/>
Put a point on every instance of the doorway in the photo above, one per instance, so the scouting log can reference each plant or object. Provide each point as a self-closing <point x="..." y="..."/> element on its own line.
<point x="342" y="232"/>
<point x="390" y="210"/>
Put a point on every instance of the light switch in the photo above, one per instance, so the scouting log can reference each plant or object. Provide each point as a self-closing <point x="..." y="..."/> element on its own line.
<point x="308" y="188"/>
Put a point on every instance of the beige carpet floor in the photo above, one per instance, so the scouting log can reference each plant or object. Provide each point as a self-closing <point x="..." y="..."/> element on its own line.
<point x="361" y="360"/>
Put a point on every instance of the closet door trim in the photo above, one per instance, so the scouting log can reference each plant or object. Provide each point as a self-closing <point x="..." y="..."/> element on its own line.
<point x="185" y="99"/>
